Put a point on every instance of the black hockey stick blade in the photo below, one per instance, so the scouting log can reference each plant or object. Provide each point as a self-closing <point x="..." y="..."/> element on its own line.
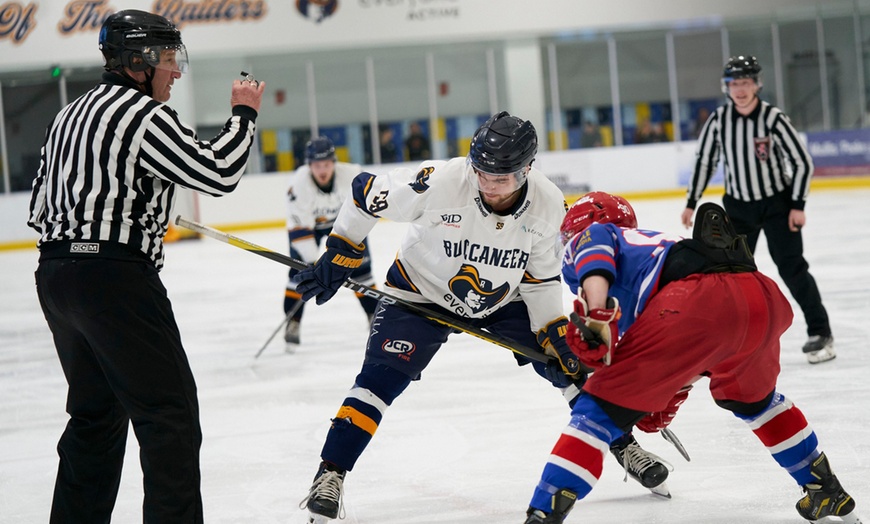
<point x="670" y="437"/>
<point x="377" y="294"/>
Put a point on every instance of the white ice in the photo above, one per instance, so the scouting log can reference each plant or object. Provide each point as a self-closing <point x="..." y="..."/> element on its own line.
<point x="466" y="443"/>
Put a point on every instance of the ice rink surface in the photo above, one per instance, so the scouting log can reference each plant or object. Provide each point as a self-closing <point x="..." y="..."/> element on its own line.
<point x="466" y="443"/>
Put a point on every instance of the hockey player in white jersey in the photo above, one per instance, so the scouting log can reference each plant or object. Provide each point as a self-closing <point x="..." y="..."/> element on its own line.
<point x="481" y="246"/>
<point x="314" y="197"/>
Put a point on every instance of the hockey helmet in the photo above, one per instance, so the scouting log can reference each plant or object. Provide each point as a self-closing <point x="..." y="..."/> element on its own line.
<point x="319" y="148"/>
<point x="742" y="66"/>
<point x="597" y="207"/>
<point x="131" y="34"/>
<point x="503" y="145"/>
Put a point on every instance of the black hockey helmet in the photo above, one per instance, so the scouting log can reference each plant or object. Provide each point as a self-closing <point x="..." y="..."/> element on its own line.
<point x="742" y="66"/>
<point x="130" y="34"/>
<point x="319" y="148"/>
<point x="503" y="145"/>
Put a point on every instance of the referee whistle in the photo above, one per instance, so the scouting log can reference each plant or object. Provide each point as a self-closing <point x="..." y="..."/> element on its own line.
<point x="250" y="78"/>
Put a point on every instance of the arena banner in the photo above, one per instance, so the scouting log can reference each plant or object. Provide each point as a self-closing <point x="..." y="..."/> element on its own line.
<point x="43" y="33"/>
<point x="840" y="153"/>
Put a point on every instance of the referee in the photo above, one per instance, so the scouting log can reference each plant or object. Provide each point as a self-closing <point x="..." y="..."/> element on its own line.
<point x="101" y="203"/>
<point x="767" y="179"/>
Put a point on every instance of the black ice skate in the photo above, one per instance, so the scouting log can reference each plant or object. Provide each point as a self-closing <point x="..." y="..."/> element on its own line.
<point x="826" y="498"/>
<point x="645" y="467"/>
<point x="819" y="348"/>
<point x="561" y="503"/>
<point x="291" y="336"/>
<point x="325" y="498"/>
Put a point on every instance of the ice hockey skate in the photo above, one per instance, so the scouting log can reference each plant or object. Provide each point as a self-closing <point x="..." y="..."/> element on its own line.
<point x="562" y="503"/>
<point x="325" y="499"/>
<point x="826" y="498"/>
<point x="291" y="336"/>
<point x="819" y="348"/>
<point x="645" y="467"/>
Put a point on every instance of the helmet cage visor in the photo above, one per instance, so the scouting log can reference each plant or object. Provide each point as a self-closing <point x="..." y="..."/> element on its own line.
<point x="498" y="184"/>
<point x="756" y="77"/>
<point x="172" y="57"/>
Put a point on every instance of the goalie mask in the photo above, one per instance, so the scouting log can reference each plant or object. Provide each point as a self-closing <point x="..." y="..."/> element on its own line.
<point x="597" y="207"/>
<point x="139" y="40"/>
<point x="501" y="153"/>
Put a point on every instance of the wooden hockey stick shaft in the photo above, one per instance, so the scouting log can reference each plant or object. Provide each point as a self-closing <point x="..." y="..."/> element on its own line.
<point x="377" y="294"/>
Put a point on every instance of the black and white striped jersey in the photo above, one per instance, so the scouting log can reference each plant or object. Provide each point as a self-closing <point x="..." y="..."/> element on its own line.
<point x="762" y="152"/>
<point x="112" y="158"/>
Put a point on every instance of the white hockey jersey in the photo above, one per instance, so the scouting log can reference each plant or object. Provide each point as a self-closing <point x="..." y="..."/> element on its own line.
<point x="311" y="209"/>
<point x="457" y="253"/>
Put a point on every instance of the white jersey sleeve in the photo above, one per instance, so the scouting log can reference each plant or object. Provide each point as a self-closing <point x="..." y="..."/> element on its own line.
<point x="300" y="220"/>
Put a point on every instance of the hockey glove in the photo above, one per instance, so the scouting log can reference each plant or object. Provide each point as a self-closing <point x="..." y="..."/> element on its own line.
<point x="659" y="420"/>
<point x="552" y="339"/>
<point x="330" y="271"/>
<point x="592" y="334"/>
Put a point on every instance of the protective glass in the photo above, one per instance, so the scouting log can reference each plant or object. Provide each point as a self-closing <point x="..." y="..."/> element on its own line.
<point x="172" y="57"/>
<point x="496" y="184"/>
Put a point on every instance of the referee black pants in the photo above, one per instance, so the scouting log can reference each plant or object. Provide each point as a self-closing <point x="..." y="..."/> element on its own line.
<point x="786" y="249"/>
<point x="121" y="353"/>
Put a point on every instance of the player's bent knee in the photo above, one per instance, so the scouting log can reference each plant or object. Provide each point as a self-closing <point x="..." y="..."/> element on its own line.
<point x="385" y="382"/>
<point x="746" y="409"/>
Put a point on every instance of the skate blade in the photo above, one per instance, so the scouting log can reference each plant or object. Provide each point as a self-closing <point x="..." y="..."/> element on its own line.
<point x="851" y="518"/>
<point x="661" y="490"/>
<point x="313" y="518"/>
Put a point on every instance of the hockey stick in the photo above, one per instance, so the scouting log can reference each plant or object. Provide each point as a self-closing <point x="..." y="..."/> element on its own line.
<point x="668" y="435"/>
<point x="283" y="323"/>
<point x="377" y="294"/>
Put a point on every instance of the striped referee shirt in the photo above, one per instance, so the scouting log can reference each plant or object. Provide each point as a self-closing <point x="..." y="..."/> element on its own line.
<point x="762" y="152"/>
<point x="111" y="161"/>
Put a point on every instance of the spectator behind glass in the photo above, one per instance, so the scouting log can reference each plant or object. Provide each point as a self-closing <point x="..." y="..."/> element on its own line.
<point x="417" y="144"/>
<point x="389" y="152"/>
<point x="648" y="133"/>
<point x="700" y="120"/>
<point x="591" y="135"/>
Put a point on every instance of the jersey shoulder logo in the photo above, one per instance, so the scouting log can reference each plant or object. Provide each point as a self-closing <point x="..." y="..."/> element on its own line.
<point x="419" y="185"/>
<point x="478" y="294"/>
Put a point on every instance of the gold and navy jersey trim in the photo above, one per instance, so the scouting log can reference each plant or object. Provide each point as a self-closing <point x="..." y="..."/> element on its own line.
<point x="529" y="279"/>
<point x="300" y="233"/>
<point x="360" y="189"/>
<point x="398" y="278"/>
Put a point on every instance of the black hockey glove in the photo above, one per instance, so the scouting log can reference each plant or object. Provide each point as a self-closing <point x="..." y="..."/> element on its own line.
<point x="330" y="271"/>
<point x="552" y="339"/>
<point x="552" y="371"/>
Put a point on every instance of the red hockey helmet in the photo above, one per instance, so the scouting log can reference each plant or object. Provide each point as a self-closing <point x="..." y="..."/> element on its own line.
<point x="597" y="207"/>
